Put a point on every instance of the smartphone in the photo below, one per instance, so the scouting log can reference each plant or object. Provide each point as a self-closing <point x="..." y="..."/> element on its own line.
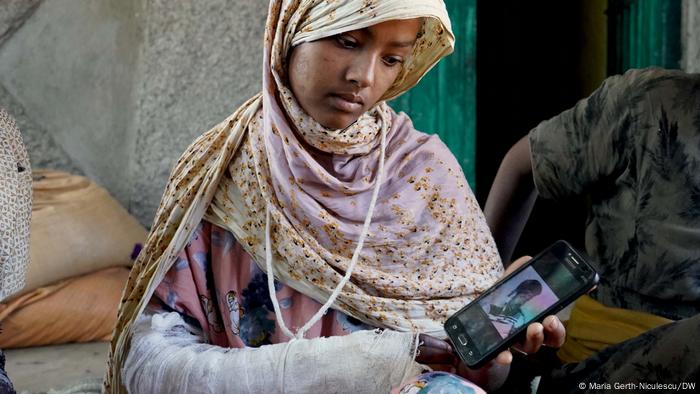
<point x="539" y="288"/>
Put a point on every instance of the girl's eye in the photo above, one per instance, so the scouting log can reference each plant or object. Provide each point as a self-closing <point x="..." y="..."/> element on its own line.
<point x="346" y="42"/>
<point x="393" y="61"/>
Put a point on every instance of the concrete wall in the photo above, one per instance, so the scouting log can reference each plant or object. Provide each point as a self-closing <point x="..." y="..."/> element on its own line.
<point x="43" y="149"/>
<point x="13" y="13"/>
<point x="690" y="32"/>
<point x="72" y="67"/>
<point x="201" y="60"/>
<point x="116" y="89"/>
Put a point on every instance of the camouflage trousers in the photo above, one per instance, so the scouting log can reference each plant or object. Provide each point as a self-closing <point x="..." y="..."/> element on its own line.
<point x="665" y="359"/>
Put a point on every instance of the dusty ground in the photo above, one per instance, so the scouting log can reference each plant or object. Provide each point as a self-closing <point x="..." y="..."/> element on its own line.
<point x="39" y="369"/>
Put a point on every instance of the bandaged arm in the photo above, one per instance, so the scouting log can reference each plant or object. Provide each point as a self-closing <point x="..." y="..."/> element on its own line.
<point x="169" y="356"/>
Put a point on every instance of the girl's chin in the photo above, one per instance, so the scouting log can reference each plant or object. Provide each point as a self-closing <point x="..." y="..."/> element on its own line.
<point x="338" y="122"/>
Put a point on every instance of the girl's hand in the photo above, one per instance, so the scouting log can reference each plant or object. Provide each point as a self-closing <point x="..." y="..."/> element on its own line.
<point x="550" y="332"/>
<point x="491" y="376"/>
<point x="436" y="353"/>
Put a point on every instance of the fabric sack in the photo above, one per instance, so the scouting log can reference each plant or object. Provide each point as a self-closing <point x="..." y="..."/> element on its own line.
<point x="82" y="309"/>
<point x="76" y="228"/>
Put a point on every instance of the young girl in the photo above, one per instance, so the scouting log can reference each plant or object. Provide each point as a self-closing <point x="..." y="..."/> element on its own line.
<point x="320" y="182"/>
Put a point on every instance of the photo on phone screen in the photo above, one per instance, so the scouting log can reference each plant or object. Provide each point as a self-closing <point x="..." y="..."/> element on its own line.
<point x="549" y="281"/>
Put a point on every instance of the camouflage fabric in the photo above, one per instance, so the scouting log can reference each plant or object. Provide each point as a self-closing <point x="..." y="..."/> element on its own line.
<point x="664" y="359"/>
<point x="633" y="148"/>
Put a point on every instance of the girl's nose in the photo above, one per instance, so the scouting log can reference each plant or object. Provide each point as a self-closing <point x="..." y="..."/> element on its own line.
<point x="362" y="71"/>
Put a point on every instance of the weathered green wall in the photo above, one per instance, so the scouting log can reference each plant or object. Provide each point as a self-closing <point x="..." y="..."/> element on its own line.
<point x="444" y="102"/>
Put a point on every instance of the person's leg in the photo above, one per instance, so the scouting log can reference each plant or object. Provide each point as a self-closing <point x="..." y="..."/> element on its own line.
<point x="667" y="355"/>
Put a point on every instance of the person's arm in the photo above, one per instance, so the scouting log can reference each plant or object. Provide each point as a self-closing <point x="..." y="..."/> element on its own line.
<point x="511" y="199"/>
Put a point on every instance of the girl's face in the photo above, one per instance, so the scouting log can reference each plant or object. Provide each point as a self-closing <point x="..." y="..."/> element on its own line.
<point x="337" y="79"/>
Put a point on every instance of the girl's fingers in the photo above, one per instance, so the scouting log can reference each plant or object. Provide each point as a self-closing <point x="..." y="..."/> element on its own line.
<point x="504" y="358"/>
<point x="434" y="351"/>
<point x="534" y="338"/>
<point x="432" y="342"/>
<point x="554" y="332"/>
<point x="516" y="264"/>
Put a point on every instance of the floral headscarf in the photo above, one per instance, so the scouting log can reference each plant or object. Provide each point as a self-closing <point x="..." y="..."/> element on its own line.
<point x="428" y="250"/>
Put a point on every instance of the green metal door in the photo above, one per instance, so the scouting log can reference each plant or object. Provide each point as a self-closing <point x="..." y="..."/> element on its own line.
<point x="643" y="33"/>
<point x="444" y="102"/>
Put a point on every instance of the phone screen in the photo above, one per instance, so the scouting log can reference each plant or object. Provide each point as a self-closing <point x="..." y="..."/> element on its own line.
<point x="499" y="314"/>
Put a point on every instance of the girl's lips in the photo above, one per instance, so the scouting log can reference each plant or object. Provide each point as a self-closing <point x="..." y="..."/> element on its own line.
<point x="345" y="104"/>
